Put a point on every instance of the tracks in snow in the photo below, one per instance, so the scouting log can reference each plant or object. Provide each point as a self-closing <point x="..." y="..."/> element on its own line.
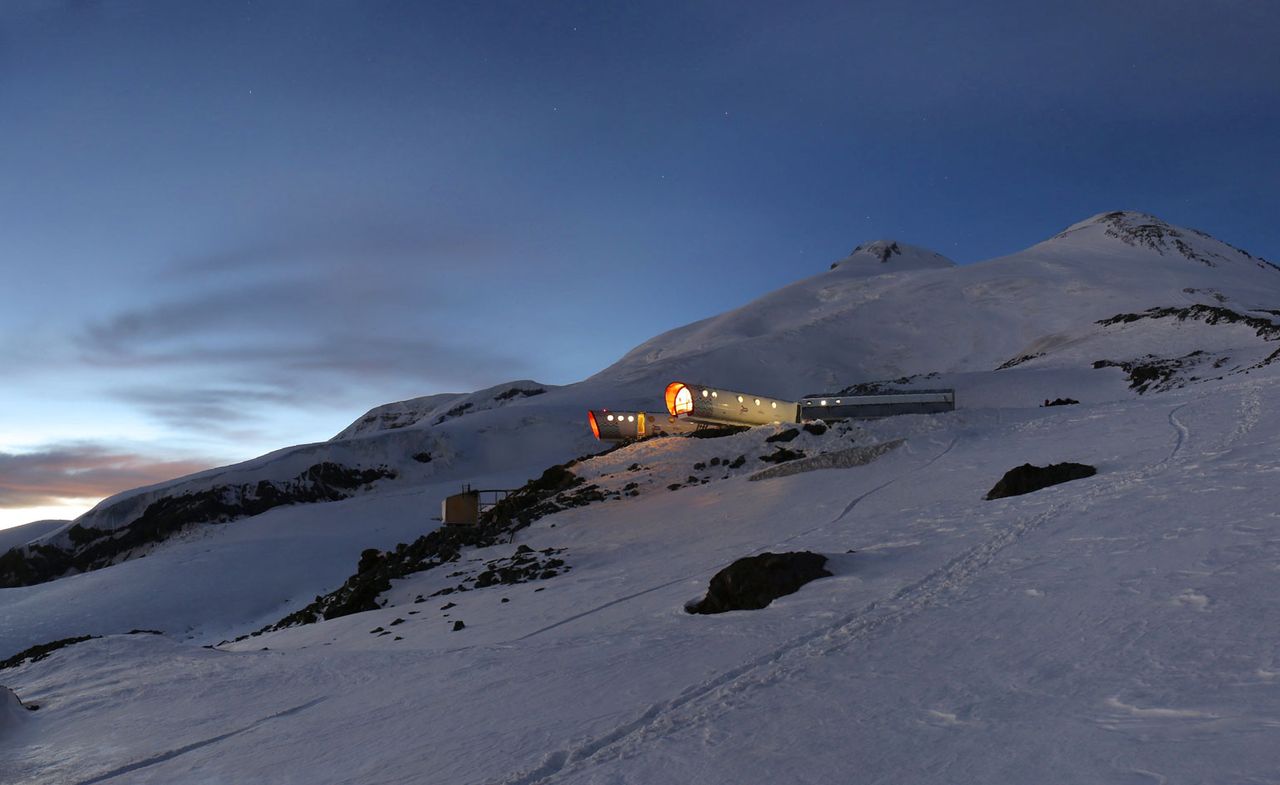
<point x="1184" y="433"/>
<point x="641" y="593"/>
<point x="709" y="699"/>
<point x="171" y="754"/>
<point x="704" y="701"/>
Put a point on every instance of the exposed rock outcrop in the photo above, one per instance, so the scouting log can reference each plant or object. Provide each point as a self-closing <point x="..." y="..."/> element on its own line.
<point x="752" y="582"/>
<point x="1027" y="478"/>
<point x="91" y="549"/>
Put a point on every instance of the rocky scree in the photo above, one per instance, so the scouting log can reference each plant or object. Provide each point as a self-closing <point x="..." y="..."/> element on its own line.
<point x="93" y="549"/>
<point x="557" y="489"/>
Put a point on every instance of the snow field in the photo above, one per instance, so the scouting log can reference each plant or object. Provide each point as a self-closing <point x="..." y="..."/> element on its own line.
<point x="1062" y="625"/>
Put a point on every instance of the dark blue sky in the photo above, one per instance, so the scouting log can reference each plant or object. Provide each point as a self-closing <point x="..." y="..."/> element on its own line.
<point x="229" y="226"/>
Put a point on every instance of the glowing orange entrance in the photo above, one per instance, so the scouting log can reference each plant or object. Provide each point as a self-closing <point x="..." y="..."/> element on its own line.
<point x="679" y="398"/>
<point x="591" y="417"/>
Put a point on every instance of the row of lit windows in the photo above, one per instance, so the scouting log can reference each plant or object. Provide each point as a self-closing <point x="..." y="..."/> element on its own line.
<point x="630" y="418"/>
<point x="714" y="394"/>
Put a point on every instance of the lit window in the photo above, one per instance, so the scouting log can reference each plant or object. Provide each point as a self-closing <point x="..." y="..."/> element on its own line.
<point x="739" y="399"/>
<point x="837" y="401"/>
<point x="824" y="401"/>
<point x="715" y="394"/>
<point x="679" y="399"/>
<point x="757" y="402"/>
<point x="631" y="418"/>
<point x="774" y="404"/>
<point x="705" y="393"/>
<point x="610" y="418"/>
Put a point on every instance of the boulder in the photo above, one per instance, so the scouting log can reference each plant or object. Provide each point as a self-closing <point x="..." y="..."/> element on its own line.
<point x="1027" y="478"/>
<point x="752" y="582"/>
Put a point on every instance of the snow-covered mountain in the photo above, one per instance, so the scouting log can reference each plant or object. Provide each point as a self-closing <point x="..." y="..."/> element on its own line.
<point x="864" y="320"/>
<point x="1109" y="629"/>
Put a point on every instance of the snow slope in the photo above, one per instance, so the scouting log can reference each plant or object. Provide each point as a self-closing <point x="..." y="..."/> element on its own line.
<point x="1112" y="629"/>
<point x="1086" y="633"/>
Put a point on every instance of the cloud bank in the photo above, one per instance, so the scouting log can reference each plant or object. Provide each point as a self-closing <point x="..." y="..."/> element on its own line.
<point x="82" y="470"/>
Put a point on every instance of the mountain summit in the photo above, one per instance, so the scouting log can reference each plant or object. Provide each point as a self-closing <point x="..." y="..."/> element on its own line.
<point x="890" y="256"/>
<point x="1146" y="232"/>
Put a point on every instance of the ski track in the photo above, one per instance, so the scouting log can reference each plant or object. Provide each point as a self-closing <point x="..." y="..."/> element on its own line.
<point x="171" y="754"/>
<point x="858" y="499"/>
<point x="599" y="608"/>
<point x="1184" y="433"/>
<point x="793" y="537"/>
<point x="708" y="699"/>
<point x="1248" y="414"/>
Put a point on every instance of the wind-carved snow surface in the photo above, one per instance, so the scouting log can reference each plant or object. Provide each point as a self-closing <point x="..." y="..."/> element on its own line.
<point x="1110" y="629"/>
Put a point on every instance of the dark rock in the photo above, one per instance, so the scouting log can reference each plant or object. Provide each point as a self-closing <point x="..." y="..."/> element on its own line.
<point x="1154" y="374"/>
<point x="1061" y="402"/>
<point x="878" y="387"/>
<point x="522" y="392"/>
<point x="458" y="625"/>
<point x="1209" y="314"/>
<point x="817" y="428"/>
<point x="456" y="411"/>
<point x="40" y="651"/>
<point x="1019" y="360"/>
<point x="784" y="436"/>
<point x="782" y="455"/>
<point x="396" y="621"/>
<point x="506" y="599"/>
<point x="716" y="431"/>
<point x="752" y="582"/>
<point x="422" y="457"/>
<point x="81" y="535"/>
<point x="95" y="548"/>
<point x="738" y="462"/>
<point x="1027" y="478"/>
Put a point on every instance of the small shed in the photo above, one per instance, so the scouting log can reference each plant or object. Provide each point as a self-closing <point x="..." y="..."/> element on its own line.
<point x="464" y="509"/>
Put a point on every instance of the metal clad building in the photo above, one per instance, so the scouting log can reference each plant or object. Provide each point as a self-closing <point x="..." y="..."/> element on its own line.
<point x="887" y="404"/>
<point x="712" y="405"/>
<point x="610" y="426"/>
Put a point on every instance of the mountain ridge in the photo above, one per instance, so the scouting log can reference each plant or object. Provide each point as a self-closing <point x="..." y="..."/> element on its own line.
<point x="887" y="311"/>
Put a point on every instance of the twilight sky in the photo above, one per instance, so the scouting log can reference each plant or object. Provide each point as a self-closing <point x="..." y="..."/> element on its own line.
<point x="226" y="227"/>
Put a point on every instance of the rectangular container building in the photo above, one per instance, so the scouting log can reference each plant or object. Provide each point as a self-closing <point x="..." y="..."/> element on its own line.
<point x="885" y="404"/>
<point x="461" y="509"/>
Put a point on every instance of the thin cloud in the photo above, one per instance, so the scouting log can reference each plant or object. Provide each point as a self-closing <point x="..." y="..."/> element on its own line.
<point x="56" y="473"/>
<point x="341" y="311"/>
<point x="345" y="245"/>
<point x="223" y="410"/>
